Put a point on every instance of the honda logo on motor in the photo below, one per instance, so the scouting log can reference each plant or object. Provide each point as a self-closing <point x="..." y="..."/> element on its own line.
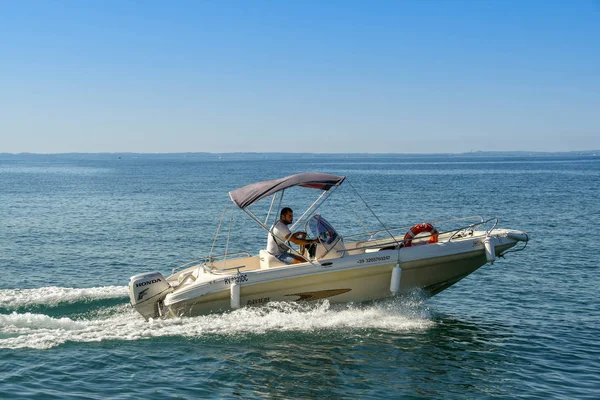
<point x="142" y="294"/>
<point x="146" y="283"/>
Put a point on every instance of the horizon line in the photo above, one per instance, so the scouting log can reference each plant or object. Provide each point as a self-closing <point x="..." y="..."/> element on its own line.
<point x="304" y="153"/>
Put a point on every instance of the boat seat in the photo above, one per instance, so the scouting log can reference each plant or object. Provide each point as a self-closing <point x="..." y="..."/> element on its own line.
<point x="267" y="260"/>
<point x="188" y="276"/>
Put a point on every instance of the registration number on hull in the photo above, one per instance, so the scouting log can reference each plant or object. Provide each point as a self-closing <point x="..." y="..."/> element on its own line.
<point x="236" y="279"/>
<point x="372" y="259"/>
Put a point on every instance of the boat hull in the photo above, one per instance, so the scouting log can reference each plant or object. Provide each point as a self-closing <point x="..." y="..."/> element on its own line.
<point x="354" y="278"/>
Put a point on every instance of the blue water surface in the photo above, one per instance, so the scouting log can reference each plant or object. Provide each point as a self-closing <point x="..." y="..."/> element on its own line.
<point x="74" y="228"/>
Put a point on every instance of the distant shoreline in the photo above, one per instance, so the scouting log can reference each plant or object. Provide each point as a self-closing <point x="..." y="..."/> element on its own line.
<point x="296" y="156"/>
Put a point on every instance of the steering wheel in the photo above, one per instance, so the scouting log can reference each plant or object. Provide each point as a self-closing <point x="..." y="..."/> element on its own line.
<point x="301" y="235"/>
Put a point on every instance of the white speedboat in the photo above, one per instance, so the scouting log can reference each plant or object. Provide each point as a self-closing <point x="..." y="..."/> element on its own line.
<point x="371" y="265"/>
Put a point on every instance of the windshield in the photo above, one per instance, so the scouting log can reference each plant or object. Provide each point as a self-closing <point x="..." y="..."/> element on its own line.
<point x="322" y="229"/>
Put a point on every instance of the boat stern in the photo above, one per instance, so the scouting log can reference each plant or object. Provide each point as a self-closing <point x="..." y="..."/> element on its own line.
<point x="146" y="291"/>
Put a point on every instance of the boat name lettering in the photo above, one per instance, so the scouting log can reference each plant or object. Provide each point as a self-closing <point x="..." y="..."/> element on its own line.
<point x="255" y="302"/>
<point x="146" y="283"/>
<point x="236" y="279"/>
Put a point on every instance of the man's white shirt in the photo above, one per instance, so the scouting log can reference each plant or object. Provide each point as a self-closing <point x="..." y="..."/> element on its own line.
<point x="280" y="230"/>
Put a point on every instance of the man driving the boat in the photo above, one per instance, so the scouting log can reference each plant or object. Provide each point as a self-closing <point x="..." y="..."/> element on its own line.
<point x="280" y="233"/>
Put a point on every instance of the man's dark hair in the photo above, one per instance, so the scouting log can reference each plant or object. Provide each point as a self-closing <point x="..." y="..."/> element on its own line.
<point x="285" y="211"/>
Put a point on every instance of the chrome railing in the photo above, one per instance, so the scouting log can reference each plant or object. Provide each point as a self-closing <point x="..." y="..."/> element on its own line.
<point x="210" y="259"/>
<point x="455" y="232"/>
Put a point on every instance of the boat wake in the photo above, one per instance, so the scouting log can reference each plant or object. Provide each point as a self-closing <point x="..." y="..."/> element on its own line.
<point x="53" y="296"/>
<point x="44" y="318"/>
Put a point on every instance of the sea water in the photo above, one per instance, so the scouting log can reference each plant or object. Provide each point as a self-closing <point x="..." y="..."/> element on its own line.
<point x="74" y="228"/>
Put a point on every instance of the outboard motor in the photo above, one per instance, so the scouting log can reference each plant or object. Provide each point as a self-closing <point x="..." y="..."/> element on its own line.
<point x="146" y="290"/>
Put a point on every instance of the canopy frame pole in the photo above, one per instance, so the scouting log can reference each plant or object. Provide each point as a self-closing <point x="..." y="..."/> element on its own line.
<point x="228" y="236"/>
<point x="321" y="199"/>
<point x="280" y="202"/>
<point x="217" y="233"/>
<point x="356" y="214"/>
<point x="270" y="209"/>
<point x="254" y="217"/>
<point x="375" y="215"/>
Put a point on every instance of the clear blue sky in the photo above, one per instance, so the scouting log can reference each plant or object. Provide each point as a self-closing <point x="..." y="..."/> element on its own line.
<point x="309" y="76"/>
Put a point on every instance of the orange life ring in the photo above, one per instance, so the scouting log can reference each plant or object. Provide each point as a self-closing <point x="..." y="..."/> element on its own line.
<point x="420" y="228"/>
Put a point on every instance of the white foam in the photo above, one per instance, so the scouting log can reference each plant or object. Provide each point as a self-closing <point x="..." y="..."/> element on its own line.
<point x="28" y="322"/>
<point x="42" y="332"/>
<point x="52" y="295"/>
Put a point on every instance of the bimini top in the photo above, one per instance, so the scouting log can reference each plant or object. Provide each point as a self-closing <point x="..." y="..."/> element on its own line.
<point x="248" y="195"/>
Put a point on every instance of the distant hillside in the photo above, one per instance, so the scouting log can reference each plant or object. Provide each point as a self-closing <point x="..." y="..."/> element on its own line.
<point x="296" y="156"/>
